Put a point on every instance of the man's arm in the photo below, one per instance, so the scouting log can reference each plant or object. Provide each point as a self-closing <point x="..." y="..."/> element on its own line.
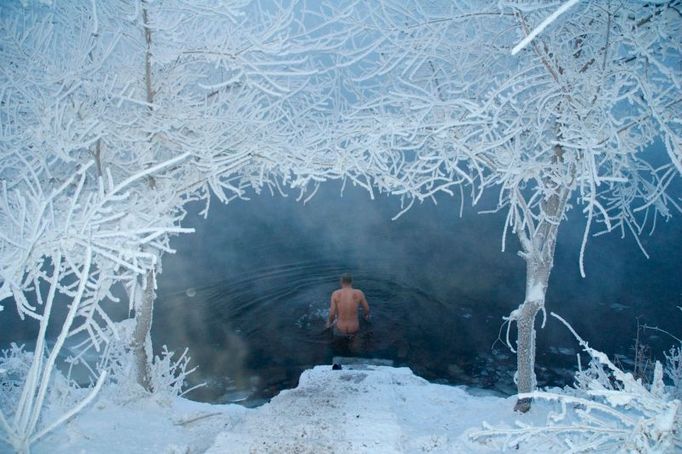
<point x="332" y="312"/>
<point x="365" y="306"/>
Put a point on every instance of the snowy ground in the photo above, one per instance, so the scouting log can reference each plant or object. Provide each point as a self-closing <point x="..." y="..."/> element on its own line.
<point x="367" y="410"/>
<point x="375" y="409"/>
<point x="143" y="425"/>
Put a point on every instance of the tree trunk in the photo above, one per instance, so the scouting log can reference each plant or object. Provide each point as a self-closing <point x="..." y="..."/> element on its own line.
<point x="537" y="277"/>
<point x="538" y="242"/>
<point x="144" y="309"/>
<point x="142" y="342"/>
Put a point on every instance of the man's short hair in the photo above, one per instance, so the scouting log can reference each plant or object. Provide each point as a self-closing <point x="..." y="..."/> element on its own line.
<point x="346" y="278"/>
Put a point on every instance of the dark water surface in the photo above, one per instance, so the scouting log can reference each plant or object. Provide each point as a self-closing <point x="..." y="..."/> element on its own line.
<point x="263" y="330"/>
<point x="249" y="292"/>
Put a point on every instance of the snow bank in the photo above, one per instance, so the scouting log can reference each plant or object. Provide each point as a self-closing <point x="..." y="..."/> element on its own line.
<point x="367" y="409"/>
<point x="142" y="425"/>
<point x="362" y="408"/>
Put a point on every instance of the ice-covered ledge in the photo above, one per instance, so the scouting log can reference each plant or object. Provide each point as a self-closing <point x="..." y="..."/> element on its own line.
<point x="365" y="409"/>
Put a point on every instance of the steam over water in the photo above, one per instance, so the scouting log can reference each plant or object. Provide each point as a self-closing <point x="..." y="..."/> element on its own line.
<point x="249" y="293"/>
<point x="255" y="334"/>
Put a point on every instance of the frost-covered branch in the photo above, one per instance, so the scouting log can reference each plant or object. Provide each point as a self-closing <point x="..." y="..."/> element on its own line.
<point x="537" y="30"/>
<point x="609" y="410"/>
<point x="578" y="121"/>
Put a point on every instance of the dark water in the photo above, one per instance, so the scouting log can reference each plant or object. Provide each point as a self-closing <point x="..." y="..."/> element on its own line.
<point x="249" y="293"/>
<point x="263" y="330"/>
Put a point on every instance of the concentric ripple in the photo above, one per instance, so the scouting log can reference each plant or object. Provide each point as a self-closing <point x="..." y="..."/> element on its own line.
<point x="253" y="335"/>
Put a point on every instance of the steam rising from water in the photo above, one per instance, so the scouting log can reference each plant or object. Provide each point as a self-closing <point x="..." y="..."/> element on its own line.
<point x="249" y="292"/>
<point x="255" y="334"/>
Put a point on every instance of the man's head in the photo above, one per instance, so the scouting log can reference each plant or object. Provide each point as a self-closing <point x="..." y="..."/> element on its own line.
<point x="346" y="279"/>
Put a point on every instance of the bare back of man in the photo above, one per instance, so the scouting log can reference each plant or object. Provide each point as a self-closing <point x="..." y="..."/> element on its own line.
<point x="343" y="311"/>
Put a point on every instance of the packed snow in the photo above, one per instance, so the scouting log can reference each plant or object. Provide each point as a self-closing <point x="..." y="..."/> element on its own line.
<point x="357" y="409"/>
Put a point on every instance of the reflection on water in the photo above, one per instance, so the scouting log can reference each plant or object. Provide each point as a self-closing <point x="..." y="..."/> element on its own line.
<point x="252" y="337"/>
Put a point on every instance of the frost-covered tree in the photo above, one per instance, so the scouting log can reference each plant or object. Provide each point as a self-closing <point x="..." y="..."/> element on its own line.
<point x="65" y="249"/>
<point x="608" y="410"/>
<point x="587" y="114"/>
<point x="116" y="114"/>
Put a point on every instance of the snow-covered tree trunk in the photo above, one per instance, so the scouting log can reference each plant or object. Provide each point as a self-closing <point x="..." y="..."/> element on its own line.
<point x="144" y="307"/>
<point x="537" y="278"/>
<point x="538" y="245"/>
<point x="141" y="342"/>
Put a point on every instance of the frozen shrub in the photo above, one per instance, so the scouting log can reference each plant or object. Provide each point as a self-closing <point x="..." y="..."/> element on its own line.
<point x="116" y="358"/>
<point x="15" y="363"/>
<point x="60" y="393"/>
<point x="169" y="375"/>
<point x="673" y="369"/>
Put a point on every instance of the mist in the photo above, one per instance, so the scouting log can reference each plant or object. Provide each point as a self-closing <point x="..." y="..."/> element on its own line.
<point x="430" y="267"/>
<point x="248" y="292"/>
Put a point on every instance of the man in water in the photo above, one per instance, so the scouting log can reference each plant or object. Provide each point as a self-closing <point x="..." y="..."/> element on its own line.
<point x="343" y="312"/>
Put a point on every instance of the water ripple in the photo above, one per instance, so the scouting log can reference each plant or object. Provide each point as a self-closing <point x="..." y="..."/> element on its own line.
<point x="256" y="332"/>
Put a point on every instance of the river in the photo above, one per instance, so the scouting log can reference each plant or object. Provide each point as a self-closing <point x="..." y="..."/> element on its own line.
<point x="249" y="292"/>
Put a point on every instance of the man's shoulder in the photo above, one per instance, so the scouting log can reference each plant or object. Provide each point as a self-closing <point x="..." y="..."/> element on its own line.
<point x="358" y="292"/>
